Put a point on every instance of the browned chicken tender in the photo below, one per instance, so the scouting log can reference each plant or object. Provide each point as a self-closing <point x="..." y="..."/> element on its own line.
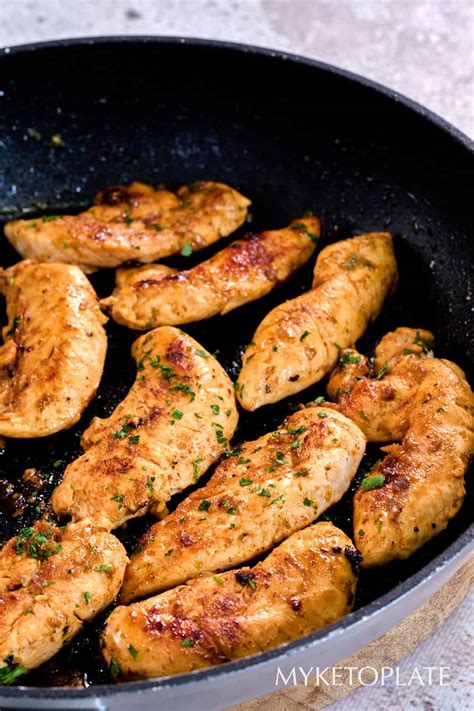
<point x="156" y="295"/>
<point x="54" y="348"/>
<point x="173" y="424"/>
<point x="306" y="583"/>
<point x="261" y="494"/>
<point x="53" y="581"/>
<point x="426" y="403"/>
<point x="298" y="342"/>
<point x="135" y="223"/>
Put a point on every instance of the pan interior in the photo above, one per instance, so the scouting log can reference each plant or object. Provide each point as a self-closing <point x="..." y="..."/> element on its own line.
<point x="292" y="137"/>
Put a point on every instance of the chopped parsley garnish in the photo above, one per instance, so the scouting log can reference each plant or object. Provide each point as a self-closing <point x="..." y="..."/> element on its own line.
<point x="383" y="370"/>
<point x="215" y="409"/>
<point x="11" y="671"/>
<point x="426" y="343"/>
<point x="186" y="390"/>
<point x="34" y="544"/>
<point x="134" y="439"/>
<point x="304" y="335"/>
<point x="372" y="482"/>
<point x="265" y="492"/>
<point x="202" y="353"/>
<point x="15" y="323"/>
<point x="319" y="400"/>
<point x="177" y="414"/>
<point x="246" y="579"/>
<point x="103" y="568"/>
<point x="115" y="668"/>
<point x="132" y="651"/>
<point x="348" y="359"/>
<point x="205" y="505"/>
<point x="117" y="497"/>
<point x="122" y="432"/>
<point x="356" y="260"/>
<point x="196" y="468"/>
<point x="301" y="227"/>
<point x="322" y="414"/>
<point x="364" y="415"/>
<point x="156" y="227"/>
<point x="87" y="597"/>
<point x="169" y="552"/>
<point x="187" y="643"/>
<point x="231" y="510"/>
<point x="218" y="580"/>
<point x="50" y="218"/>
<point x="187" y="250"/>
<point x="245" y="482"/>
<point x="297" y="431"/>
<point x="296" y="444"/>
<point x="307" y="502"/>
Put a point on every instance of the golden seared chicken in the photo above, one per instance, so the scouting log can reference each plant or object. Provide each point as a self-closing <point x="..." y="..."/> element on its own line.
<point x="426" y="403"/>
<point x="135" y="223"/>
<point x="306" y="583"/>
<point x="298" y="342"/>
<point x="52" y="581"/>
<point x="54" y="348"/>
<point x="156" y="295"/>
<point x="173" y="424"/>
<point x="261" y="494"/>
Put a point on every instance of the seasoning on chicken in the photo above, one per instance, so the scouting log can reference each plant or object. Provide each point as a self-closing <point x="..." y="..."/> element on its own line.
<point x="54" y="348"/>
<point x="134" y="223"/>
<point x="52" y="581"/>
<point x="262" y="493"/>
<point x="172" y="425"/>
<point x="425" y="402"/>
<point x="298" y="342"/>
<point x="156" y="295"/>
<point x="306" y="583"/>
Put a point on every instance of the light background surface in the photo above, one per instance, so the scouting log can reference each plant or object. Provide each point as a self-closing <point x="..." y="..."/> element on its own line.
<point x="422" y="48"/>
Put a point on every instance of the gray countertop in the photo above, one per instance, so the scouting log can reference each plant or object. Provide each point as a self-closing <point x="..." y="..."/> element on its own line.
<point x="422" y="48"/>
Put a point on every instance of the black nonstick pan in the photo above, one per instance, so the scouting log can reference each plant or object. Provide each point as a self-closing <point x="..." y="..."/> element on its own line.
<point x="293" y="135"/>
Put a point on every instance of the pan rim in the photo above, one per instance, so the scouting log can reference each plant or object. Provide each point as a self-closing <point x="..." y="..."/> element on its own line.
<point x="382" y="604"/>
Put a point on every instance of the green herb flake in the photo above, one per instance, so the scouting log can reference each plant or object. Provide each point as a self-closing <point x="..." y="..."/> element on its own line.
<point x="87" y="597"/>
<point x="205" y="505"/>
<point x="245" y="482"/>
<point x="186" y="250"/>
<point x="15" y="323"/>
<point x="103" y="568"/>
<point x="215" y="409"/>
<point x="187" y="643"/>
<point x="134" y="439"/>
<point x="304" y="335"/>
<point x="132" y="651"/>
<point x="348" y="359"/>
<point x="177" y="414"/>
<point x="218" y="580"/>
<point x="115" y="668"/>
<point x="11" y="671"/>
<point x="307" y="502"/>
<point x="373" y="482"/>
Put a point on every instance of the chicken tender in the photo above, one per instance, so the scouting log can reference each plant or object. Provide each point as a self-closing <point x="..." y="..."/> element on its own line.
<point x="54" y="348"/>
<point x="52" y="581"/>
<point x="173" y="424"/>
<point x="156" y="295"/>
<point x="298" y="342"/>
<point x="135" y="223"/>
<point x="306" y="583"/>
<point x="261" y="494"/>
<point x="425" y="402"/>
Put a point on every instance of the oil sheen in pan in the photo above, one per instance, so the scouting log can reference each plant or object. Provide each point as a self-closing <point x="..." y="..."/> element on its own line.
<point x="21" y="502"/>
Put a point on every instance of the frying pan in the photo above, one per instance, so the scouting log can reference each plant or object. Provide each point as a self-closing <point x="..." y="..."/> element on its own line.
<point x="292" y="134"/>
